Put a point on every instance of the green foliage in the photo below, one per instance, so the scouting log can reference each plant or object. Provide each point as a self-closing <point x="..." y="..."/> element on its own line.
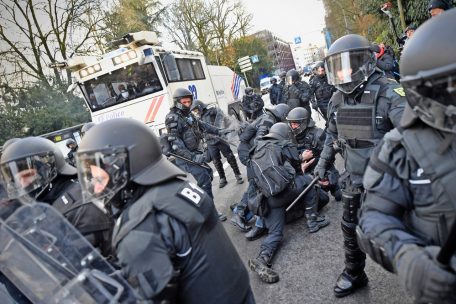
<point x="37" y="110"/>
<point x="248" y="46"/>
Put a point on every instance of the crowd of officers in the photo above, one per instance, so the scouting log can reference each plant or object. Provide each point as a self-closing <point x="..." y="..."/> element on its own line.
<point x="397" y="142"/>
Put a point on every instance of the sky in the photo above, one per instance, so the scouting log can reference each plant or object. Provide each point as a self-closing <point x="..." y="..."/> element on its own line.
<point x="289" y="18"/>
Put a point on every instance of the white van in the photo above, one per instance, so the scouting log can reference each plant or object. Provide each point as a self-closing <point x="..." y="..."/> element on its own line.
<point x="265" y="84"/>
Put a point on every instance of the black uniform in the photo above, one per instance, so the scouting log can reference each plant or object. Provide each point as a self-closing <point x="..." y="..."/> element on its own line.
<point x="214" y="116"/>
<point x="185" y="134"/>
<point x="252" y="105"/>
<point x="313" y="138"/>
<point x="358" y="122"/>
<point x="64" y="194"/>
<point x="275" y="93"/>
<point x="322" y="90"/>
<point x="386" y="62"/>
<point x="298" y="94"/>
<point x="171" y="235"/>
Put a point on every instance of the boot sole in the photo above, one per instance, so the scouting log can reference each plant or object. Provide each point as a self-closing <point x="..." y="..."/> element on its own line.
<point x="243" y="229"/>
<point x="350" y="291"/>
<point x="266" y="274"/>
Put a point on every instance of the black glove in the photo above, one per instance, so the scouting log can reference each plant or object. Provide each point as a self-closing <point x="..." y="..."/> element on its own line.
<point x="320" y="171"/>
<point x="424" y="279"/>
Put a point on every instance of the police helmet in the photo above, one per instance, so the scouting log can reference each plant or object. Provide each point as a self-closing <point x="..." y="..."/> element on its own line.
<point x="279" y="131"/>
<point x="273" y="80"/>
<point x="248" y="91"/>
<point x="292" y="76"/>
<point x="430" y="81"/>
<point x="280" y="111"/>
<point x="9" y="142"/>
<point x="86" y="127"/>
<point x="117" y="153"/>
<point x="178" y="95"/>
<point x="442" y="4"/>
<point x="299" y="116"/>
<point x="283" y="75"/>
<point x="349" y="62"/>
<point x="29" y="165"/>
<point x="198" y="107"/>
<point x="70" y="142"/>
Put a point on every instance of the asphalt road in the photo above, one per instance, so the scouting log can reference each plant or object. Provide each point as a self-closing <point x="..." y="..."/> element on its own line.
<point x="308" y="264"/>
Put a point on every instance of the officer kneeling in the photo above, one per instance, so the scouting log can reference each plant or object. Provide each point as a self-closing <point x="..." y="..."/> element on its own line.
<point x="409" y="209"/>
<point x="276" y="163"/>
<point x="168" y="238"/>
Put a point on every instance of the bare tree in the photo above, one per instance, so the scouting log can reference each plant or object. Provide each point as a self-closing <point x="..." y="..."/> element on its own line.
<point x="36" y="33"/>
<point x="209" y="27"/>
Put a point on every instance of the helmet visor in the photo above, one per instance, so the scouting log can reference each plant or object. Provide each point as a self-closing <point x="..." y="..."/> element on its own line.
<point x="347" y="70"/>
<point x="102" y="174"/>
<point x="29" y="175"/>
<point x="298" y="126"/>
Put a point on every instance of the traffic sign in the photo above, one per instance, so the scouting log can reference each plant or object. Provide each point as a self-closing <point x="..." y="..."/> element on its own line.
<point x="245" y="65"/>
<point x="254" y="59"/>
<point x="245" y="58"/>
<point x="297" y="40"/>
<point x="246" y="69"/>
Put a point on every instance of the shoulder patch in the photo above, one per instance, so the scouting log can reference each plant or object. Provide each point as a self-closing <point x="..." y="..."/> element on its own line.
<point x="191" y="192"/>
<point x="399" y="91"/>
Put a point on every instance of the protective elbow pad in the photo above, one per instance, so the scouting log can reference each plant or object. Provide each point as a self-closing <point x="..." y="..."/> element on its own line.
<point x="374" y="250"/>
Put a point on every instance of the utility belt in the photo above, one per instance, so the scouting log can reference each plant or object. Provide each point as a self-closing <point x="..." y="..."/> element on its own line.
<point x="356" y="143"/>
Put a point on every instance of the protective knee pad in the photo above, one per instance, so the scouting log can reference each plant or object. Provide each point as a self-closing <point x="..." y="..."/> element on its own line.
<point x="351" y="203"/>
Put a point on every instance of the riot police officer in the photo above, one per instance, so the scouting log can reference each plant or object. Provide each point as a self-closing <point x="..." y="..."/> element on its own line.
<point x="73" y="146"/>
<point x="308" y="137"/>
<point x="248" y="138"/>
<point x="214" y="116"/>
<point x="365" y="107"/>
<point x="185" y="134"/>
<point x="275" y="92"/>
<point x="297" y="92"/>
<point x="34" y="166"/>
<point x="168" y="239"/>
<point x="276" y="150"/>
<point x="408" y="212"/>
<point x="252" y="104"/>
<point x="321" y="90"/>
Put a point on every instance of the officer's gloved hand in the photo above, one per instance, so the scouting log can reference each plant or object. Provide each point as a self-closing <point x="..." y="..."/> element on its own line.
<point x="320" y="171"/>
<point x="199" y="158"/>
<point x="423" y="278"/>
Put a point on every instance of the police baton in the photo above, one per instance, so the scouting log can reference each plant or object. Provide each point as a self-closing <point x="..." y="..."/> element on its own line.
<point x="302" y="193"/>
<point x="190" y="161"/>
<point x="448" y="249"/>
<point x="224" y="141"/>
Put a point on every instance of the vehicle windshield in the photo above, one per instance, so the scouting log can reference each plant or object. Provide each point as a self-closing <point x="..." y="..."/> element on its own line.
<point x="265" y="83"/>
<point x="121" y="85"/>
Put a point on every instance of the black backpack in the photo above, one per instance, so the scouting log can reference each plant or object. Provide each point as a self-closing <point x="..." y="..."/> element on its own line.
<point x="272" y="173"/>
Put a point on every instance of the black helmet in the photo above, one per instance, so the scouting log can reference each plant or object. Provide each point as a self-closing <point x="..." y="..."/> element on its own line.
<point x="292" y="76"/>
<point x="280" y="111"/>
<point x="9" y="142"/>
<point x="430" y="81"/>
<point x="178" y="95"/>
<point x="443" y="4"/>
<point x="248" y="91"/>
<point x="198" y="107"/>
<point x="70" y="142"/>
<point x="273" y="80"/>
<point x="349" y="62"/>
<point x="301" y="116"/>
<point x="86" y="127"/>
<point x="283" y="75"/>
<point x="29" y="165"/>
<point x="279" y="131"/>
<point x="117" y="152"/>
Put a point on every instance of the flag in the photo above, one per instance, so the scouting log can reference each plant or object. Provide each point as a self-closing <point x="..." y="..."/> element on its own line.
<point x="236" y="85"/>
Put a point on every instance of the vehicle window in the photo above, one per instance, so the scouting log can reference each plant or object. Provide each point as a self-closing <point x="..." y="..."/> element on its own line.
<point x="183" y="69"/>
<point x="120" y="86"/>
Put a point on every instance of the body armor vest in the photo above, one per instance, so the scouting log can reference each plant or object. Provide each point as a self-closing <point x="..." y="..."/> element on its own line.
<point x="191" y="134"/>
<point x="432" y="218"/>
<point x="324" y="90"/>
<point x="203" y="277"/>
<point x="359" y="128"/>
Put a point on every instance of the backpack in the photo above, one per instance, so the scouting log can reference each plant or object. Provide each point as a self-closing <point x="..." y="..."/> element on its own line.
<point x="272" y="174"/>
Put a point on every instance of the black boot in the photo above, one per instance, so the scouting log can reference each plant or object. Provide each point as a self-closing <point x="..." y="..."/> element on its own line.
<point x="347" y="283"/>
<point x="219" y="167"/>
<point x="262" y="266"/>
<point x="239" y="221"/>
<point x="255" y="233"/>
<point x="233" y="163"/>
<point x="315" y="222"/>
